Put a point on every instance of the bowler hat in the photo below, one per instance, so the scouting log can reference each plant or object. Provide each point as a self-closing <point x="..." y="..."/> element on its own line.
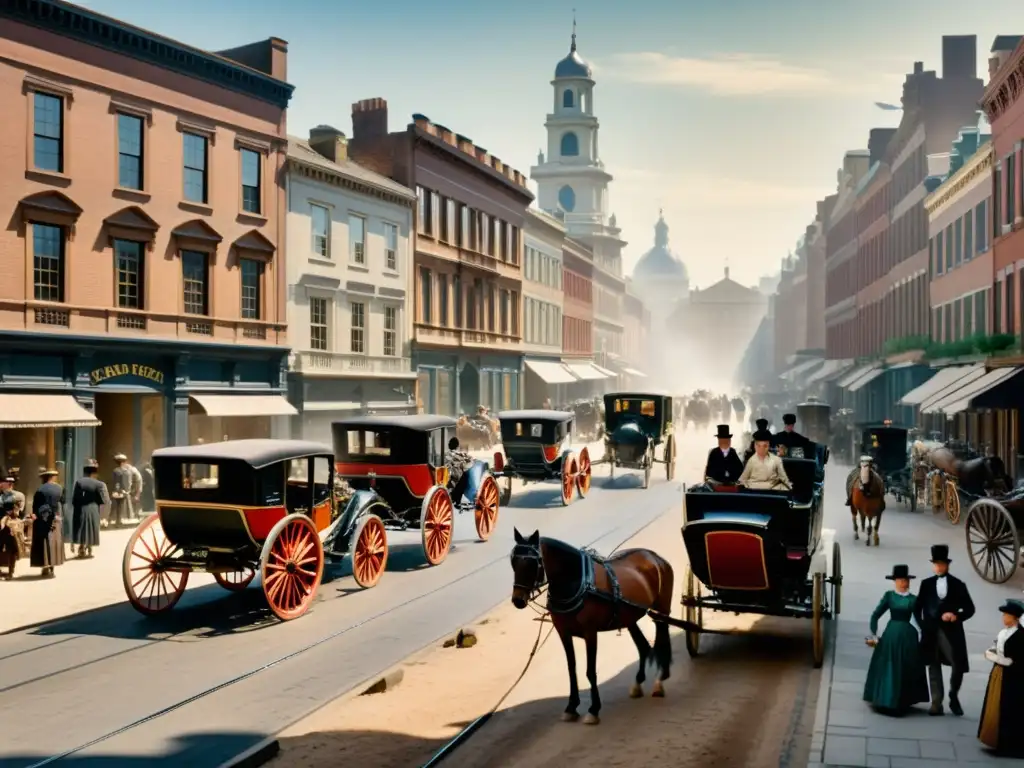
<point x="762" y="436"/>
<point x="940" y="553"/>
<point x="761" y="423"/>
<point x="1012" y="607"/>
<point x="900" y="572"/>
<point x="789" y="418"/>
<point x="48" y="473"/>
<point x="120" y="457"/>
<point x="723" y="431"/>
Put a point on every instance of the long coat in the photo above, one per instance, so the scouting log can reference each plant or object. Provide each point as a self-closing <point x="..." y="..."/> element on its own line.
<point x="1003" y="710"/>
<point x="123" y="495"/>
<point x="928" y="614"/>
<point x="47" y="542"/>
<point x="88" y="496"/>
<point x="725" y="468"/>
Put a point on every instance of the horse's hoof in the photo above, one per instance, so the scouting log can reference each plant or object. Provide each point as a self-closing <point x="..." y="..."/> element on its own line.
<point x="570" y="717"/>
<point x="636" y="691"/>
<point x="590" y="719"/>
<point x="658" y="692"/>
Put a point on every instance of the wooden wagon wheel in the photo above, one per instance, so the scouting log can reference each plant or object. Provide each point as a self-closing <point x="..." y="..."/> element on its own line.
<point x="952" y="496"/>
<point x="694" y="614"/>
<point x="583" y="477"/>
<point x="485" y="508"/>
<point x="368" y="547"/>
<point x="437" y="524"/>
<point x="993" y="541"/>
<point x="670" y="458"/>
<point x="235" y="581"/>
<point x="569" y="469"/>
<point x="937" y="481"/>
<point x="292" y="566"/>
<point x="150" y="587"/>
<point x="837" y="580"/>
<point x="817" y="599"/>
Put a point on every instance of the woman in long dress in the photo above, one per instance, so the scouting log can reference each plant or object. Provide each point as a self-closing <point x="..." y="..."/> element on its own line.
<point x="896" y="679"/>
<point x="1003" y="710"/>
<point x="12" y="537"/>
<point x="88" y="498"/>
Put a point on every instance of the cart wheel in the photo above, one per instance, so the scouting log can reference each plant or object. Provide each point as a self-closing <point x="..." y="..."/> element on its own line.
<point x="150" y="587"/>
<point x="235" y="581"/>
<point x="585" y="471"/>
<point x="837" y="580"/>
<point x="569" y="469"/>
<point x="694" y="614"/>
<point x="936" y="486"/>
<point x="437" y="520"/>
<point x="670" y="458"/>
<point x="506" y="493"/>
<point x="485" y="509"/>
<point x="952" y="494"/>
<point x="292" y="566"/>
<point x="817" y="597"/>
<point x="368" y="547"/>
<point x="993" y="541"/>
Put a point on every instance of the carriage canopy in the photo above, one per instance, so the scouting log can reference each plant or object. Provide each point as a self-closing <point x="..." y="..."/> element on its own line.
<point x="543" y="426"/>
<point x="651" y="413"/>
<point x="887" y="445"/>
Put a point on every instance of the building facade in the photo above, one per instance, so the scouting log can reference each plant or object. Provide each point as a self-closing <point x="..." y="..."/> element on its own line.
<point x="577" y="303"/>
<point x="636" y="340"/>
<point x="141" y="183"/>
<point x="842" y="337"/>
<point x="790" y="315"/>
<point x="349" y="277"/>
<point x="468" y="255"/>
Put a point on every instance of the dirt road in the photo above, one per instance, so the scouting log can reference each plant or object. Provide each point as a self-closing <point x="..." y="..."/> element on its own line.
<point x="747" y="701"/>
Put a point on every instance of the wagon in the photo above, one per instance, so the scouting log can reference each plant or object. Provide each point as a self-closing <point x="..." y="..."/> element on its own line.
<point x="887" y="446"/>
<point x="636" y="425"/>
<point x="241" y="506"/>
<point x="993" y="532"/>
<point x="588" y="419"/>
<point x="399" y="468"/>
<point x="537" y="448"/>
<point x="814" y="418"/>
<point x="760" y="552"/>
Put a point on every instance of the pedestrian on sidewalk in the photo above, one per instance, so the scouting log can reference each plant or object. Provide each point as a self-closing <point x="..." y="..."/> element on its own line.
<point x="148" y="488"/>
<point x="47" y="522"/>
<point x="943" y="606"/>
<point x="12" y="536"/>
<point x="896" y="678"/>
<point x="1003" y="709"/>
<point x="121" y="497"/>
<point x="87" y="499"/>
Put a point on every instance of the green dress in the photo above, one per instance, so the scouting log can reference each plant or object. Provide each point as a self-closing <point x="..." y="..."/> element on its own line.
<point x="897" y="679"/>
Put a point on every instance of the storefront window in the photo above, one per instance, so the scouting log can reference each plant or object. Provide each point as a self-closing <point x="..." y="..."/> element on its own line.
<point x="213" y="429"/>
<point x="30" y="450"/>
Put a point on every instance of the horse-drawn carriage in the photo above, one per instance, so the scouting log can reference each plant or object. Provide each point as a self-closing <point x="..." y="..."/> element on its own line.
<point x="814" y="418"/>
<point x="477" y="432"/>
<point x="762" y="552"/>
<point x="588" y="418"/>
<point x="960" y="476"/>
<point x="636" y="424"/>
<point x="993" y="532"/>
<point x="537" y="448"/>
<point x="887" y="447"/>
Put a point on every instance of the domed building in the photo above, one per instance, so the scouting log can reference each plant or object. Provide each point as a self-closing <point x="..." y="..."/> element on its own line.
<point x="660" y="277"/>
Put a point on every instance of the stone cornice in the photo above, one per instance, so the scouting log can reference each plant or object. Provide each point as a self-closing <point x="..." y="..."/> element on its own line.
<point x="337" y="179"/>
<point x="952" y="188"/>
<point x="1005" y="88"/>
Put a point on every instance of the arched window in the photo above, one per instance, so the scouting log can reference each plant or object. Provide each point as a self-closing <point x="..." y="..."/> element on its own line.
<point x="566" y="197"/>
<point x="570" y="145"/>
<point x="567" y="98"/>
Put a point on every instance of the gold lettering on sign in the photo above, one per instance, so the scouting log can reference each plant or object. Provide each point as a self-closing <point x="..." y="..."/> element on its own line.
<point x="108" y="372"/>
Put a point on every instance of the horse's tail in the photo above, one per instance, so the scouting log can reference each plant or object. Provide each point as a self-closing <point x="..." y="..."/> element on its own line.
<point x="661" y="653"/>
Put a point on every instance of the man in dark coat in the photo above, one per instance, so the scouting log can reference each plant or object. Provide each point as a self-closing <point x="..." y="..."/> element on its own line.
<point x="723" y="465"/>
<point x="790" y="438"/>
<point x="47" y="510"/>
<point x="762" y="426"/>
<point x="943" y="605"/>
<point x="88" y="497"/>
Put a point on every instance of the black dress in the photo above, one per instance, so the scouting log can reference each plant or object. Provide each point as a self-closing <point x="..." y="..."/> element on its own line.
<point x="88" y="496"/>
<point x="47" y="539"/>
<point x="1003" y="710"/>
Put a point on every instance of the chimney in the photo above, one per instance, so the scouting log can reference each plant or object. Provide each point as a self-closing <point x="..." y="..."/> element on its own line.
<point x="918" y="67"/>
<point x="369" y="119"/>
<point x="1002" y="47"/>
<point x="726" y="273"/>
<point x="878" y="141"/>
<point x="329" y="142"/>
<point x="959" y="57"/>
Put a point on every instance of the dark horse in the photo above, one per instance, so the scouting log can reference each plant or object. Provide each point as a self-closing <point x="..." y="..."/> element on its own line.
<point x="588" y="594"/>
<point x="977" y="476"/>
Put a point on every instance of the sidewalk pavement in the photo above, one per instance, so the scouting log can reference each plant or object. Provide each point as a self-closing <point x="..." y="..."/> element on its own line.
<point x="847" y="732"/>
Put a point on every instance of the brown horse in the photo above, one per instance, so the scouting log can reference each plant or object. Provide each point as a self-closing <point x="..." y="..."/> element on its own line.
<point x="978" y="476"/>
<point x="867" y="499"/>
<point x="588" y="594"/>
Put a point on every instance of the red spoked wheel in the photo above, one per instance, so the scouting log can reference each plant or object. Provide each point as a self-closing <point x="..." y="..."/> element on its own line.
<point x="437" y="521"/>
<point x="292" y="566"/>
<point x="570" y="468"/>
<point x="369" y="549"/>
<point x="235" y="581"/>
<point x="150" y="586"/>
<point x="585" y="471"/>
<point x="485" y="509"/>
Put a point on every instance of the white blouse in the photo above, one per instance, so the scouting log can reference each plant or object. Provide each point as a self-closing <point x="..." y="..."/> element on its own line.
<point x="1004" y="635"/>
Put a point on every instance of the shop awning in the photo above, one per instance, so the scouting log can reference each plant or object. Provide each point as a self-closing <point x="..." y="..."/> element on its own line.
<point x="961" y="400"/>
<point x="551" y="372"/>
<point x="944" y="377"/>
<point x="799" y="368"/>
<point x="635" y="372"/>
<point x="244" y="405"/>
<point x="32" y="411"/>
<point x="332" y="405"/>
<point x="855" y="374"/>
<point x="973" y="373"/>
<point x="830" y="367"/>
<point x="586" y="371"/>
<point x="864" y="380"/>
<point x="605" y="371"/>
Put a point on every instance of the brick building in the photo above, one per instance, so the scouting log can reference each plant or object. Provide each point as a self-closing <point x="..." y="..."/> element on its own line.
<point x="578" y="313"/>
<point x="140" y="182"/>
<point x="467" y="337"/>
<point x="842" y="337"/>
<point x="790" y="315"/>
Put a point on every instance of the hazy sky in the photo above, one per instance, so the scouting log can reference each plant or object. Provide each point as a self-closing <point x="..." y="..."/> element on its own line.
<point x="732" y="115"/>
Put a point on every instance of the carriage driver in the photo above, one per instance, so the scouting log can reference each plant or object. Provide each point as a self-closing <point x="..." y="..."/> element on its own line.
<point x="762" y="426"/>
<point x="789" y="437"/>
<point x="723" y="465"/>
<point x="458" y="463"/>
<point x="764" y="470"/>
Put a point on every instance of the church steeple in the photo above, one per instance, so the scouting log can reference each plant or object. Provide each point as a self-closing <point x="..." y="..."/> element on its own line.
<point x="572" y="47"/>
<point x="661" y="231"/>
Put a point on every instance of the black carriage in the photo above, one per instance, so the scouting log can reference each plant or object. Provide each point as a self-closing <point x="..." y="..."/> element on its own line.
<point x="636" y="425"/>
<point x="887" y="446"/>
<point x="993" y="533"/>
<point x="588" y="419"/>
<point x="814" y="420"/>
<point x="761" y="552"/>
<point x="537" y="448"/>
<point x="399" y="468"/>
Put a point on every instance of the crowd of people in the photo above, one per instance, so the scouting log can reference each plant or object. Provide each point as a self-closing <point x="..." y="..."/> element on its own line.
<point x="760" y="468"/>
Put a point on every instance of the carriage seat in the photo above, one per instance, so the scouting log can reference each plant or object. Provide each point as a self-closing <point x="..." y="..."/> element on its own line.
<point x="803" y="474"/>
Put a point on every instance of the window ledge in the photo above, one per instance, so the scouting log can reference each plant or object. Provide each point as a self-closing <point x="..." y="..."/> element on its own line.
<point x="139" y="195"/>
<point x="48" y="177"/>
<point x="203" y="208"/>
<point x="252" y="218"/>
<point x="358" y="267"/>
<point x="321" y="261"/>
<point x="391" y="272"/>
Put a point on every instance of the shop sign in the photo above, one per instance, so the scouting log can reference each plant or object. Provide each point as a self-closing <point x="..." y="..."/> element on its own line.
<point x="117" y="370"/>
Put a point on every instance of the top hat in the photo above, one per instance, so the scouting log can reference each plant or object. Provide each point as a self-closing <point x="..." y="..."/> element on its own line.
<point x="761" y="423"/>
<point x="940" y="553"/>
<point x="789" y="418"/>
<point x="120" y="457"/>
<point x="723" y="431"/>
<point x="1012" y="607"/>
<point x="48" y="473"/>
<point x="762" y="436"/>
<point x="900" y="572"/>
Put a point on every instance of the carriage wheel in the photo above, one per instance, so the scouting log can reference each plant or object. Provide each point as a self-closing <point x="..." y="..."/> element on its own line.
<point x="569" y="469"/>
<point x="694" y="614"/>
<point x="585" y="471"/>
<point x="235" y="581"/>
<point x="150" y="587"/>
<point x="993" y="541"/>
<point x="817" y="598"/>
<point x="485" y="509"/>
<point x="670" y="458"/>
<point x="292" y="566"/>
<point x="368" y="547"/>
<point x="837" y="579"/>
<point x="952" y="494"/>
<point x="936" y="486"/>
<point x="437" y="521"/>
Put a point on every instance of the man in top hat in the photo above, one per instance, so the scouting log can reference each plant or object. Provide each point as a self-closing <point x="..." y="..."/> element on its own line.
<point x="762" y="426"/>
<point x="723" y="465"/>
<point x="943" y="605"/>
<point x="47" y="519"/>
<point x="789" y="437"/>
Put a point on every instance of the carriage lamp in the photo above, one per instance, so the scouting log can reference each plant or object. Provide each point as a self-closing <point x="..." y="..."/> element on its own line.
<point x="550" y="452"/>
<point x="441" y="475"/>
<point x="499" y="461"/>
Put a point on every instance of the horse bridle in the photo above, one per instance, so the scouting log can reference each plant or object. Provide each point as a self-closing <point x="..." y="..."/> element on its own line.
<point x="531" y="553"/>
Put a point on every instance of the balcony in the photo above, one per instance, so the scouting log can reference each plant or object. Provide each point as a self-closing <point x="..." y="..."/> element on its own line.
<point x="436" y="336"/>
<point x="315" y="363"/>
